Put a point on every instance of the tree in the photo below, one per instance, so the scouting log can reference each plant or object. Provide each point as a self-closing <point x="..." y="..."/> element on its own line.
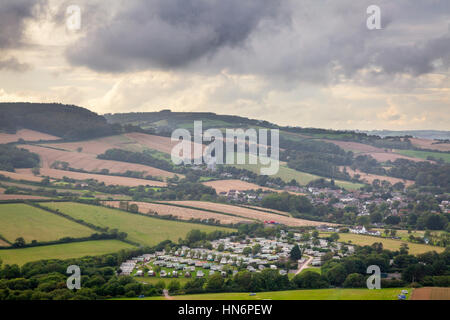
<point x="174" y="286"/>
<point x="256" y="249"/>
<point x="247" y="251"/>
<point x="296" y="254"/>
<point x="215" y="282"/>
<point x="337" y="275"/>
<point x="20" y="242"/>
<point x="354" y="280"/>
<point x="404" y="249"/>
<point x="133" y="208"/>
<point x="334" y="237"/>
<point x="309" y="280"/>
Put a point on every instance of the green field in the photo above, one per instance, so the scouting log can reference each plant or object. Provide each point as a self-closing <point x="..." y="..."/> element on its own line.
<point x="62" y="251"/>
<point x="155" y="280"/>
<point x="287" y="174"/>
<point x="21" y="220"/>
<point x="425" y="154"/>
<point x="140" y="229"/>
<point x="390" y="244"/>
<point x="317" y="294"/>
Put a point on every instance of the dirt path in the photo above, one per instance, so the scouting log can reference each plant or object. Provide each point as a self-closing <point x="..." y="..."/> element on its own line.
<point x="304" y="265"/>
<point x="166" y="294"/>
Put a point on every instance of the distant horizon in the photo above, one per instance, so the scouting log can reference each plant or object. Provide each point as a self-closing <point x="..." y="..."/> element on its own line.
<point x="347" y="65"/>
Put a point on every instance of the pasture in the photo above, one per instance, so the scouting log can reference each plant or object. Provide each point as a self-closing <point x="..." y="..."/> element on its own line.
<point x="425" y="154"/>
<point x="390" y="244"/>
<point x="314" y="294"/>
<point x="140" y="229"/>
<point x="21" y="220"/>
<point x="62" y="251"/>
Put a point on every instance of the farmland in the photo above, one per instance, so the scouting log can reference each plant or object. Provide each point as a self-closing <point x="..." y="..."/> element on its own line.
<point x="62" y="251"/>
<point x="26" y="176"/>
<point x="20" y="220"/>
<point x="6" y="197"/>
<point x="182" y="213"/>
<point x="162" y="144"/>
<point x="431" y="293"/>
<point x="430" y="144"/>
<point x="26" y="135"/>
<point x="247" y="213"/>
<point x="425" y="154"/>
<point x="89" y="162"/>
<point x="235" y="184"/>
<point x="303" y="178"/>
<point x="369" y="178"/>
<point x="108" y="180"/>
<point x="316" y="294"/>
<point x="140" y="229"/>
<point x="390" y="244"/>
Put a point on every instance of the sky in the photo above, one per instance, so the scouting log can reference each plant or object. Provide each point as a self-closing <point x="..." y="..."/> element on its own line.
<point x="305" y="63"/>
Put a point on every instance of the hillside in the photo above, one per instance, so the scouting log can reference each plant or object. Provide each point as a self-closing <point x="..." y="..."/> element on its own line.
<point x="65" y="121"/>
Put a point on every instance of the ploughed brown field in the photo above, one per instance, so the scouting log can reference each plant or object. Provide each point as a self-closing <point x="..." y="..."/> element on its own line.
<point x="27" y="135"/>
<point x="239" y="185"/>
<point x="386" y="156"/>
<point x="369" y="178"/>
<point x="98" y="146"/>
<point x="108" y="180"/>
<point x="235" y="184"/>
<point x="181" y="213"/>
<point x="162" y="144"/>
<point x="430" y="144"/>
<point x="89" y="162"/>
<point x="21" y="175"/>
<point x="20" y="197"/>
<point x="431" y="293"/>
<point x="355" y="147"/>
<point x="287" y="214"/>
<point x="248" y="213"/>
<point x="3" y="243"/>
<point x="378" y="154"/>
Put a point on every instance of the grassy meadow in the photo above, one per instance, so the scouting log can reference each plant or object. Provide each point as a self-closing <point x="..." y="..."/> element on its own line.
<point x="315" y="294"/>
<point x="21" y="220"/>
<point x="140" y="229"/>
<point x="62" y="251"/>
<point x="425" y="154"/>
<point x="390" y="244"/>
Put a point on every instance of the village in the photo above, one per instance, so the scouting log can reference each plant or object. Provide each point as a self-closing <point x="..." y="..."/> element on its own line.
<point x="227" y="257"/>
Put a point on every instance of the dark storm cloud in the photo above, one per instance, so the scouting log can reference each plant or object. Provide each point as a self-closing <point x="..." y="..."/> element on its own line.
<point x="13" y="16"/>
<point x="170" y="33"/>
<point x="327" y="39"/>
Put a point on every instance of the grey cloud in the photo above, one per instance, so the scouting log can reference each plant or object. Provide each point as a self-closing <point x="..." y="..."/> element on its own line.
<point x="170" y="33"/>
<point x="13" y="16"/>
<point x="327" y="40"/>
